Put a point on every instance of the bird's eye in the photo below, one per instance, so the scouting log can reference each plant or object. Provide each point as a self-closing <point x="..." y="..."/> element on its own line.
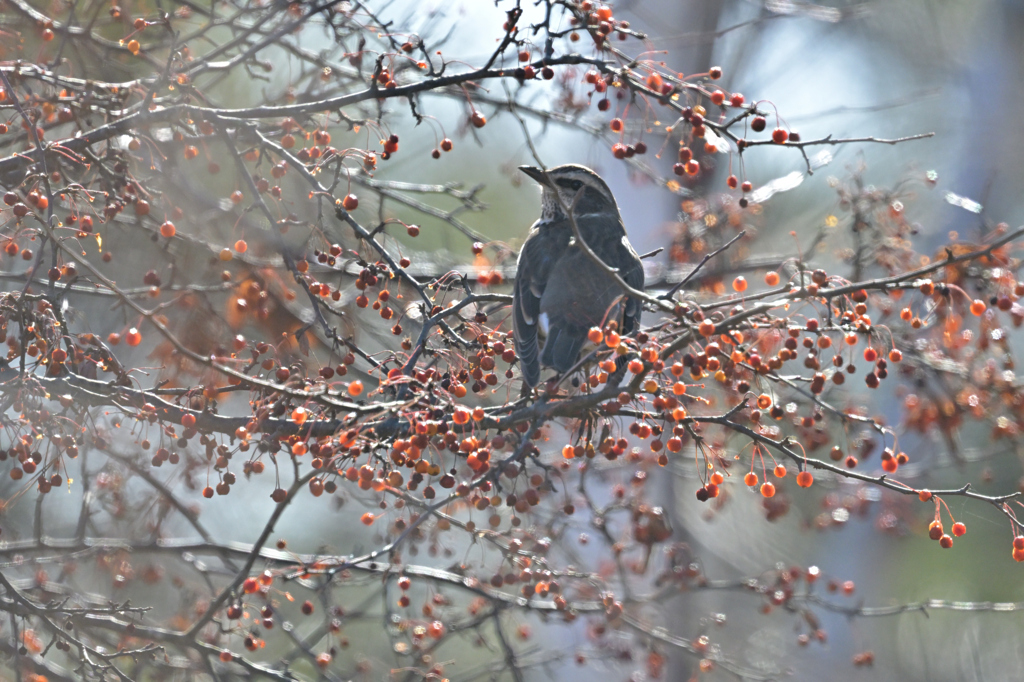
<point x="575" y="184"/>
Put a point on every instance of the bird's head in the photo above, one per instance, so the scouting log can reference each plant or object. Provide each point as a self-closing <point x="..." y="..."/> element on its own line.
<point x="565" y="183"/>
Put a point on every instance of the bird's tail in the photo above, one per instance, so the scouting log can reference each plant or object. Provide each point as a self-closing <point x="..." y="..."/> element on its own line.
<point x="526" y="348"/>
<point x="562" y="347"/>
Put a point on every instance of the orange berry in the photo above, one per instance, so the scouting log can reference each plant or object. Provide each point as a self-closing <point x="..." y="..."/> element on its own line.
<point x="355" y="388"/>
<point x="764" y="401"/>
<point x="350" y="202"/>
<point x="241" y="246"/>
<point x="771" y="278"/>
<point x="595" y="335"/>
<point x="739" y="284"/>
<point x="299" y="415"/>
<point x="367" y="519"/>
<point x="717" y="478"/>
<point x="706" y="328"/>
<point x="436" y="629"/>
<point x="767" y="489"/>
<point x="188" y="420"/>
<point x="804" y="479"/>
<point x="977" y="308"/>
<point x="636" y="367"/>
<point x="750" y="479"/>
<point x="780" y="471"/>
<point x="168" y="230"/>
<point x="133" y="338"/>
<point x="959" y="529"/>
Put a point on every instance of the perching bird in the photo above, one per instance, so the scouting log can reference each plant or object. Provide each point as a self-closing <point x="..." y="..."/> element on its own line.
<point x="560" y="292"/>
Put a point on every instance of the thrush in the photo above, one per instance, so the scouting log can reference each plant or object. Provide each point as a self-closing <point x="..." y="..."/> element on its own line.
<point x="560" y="292"/>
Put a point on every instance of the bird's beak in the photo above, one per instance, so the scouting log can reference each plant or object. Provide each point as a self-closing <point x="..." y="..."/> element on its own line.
<point x="537" y="174"/>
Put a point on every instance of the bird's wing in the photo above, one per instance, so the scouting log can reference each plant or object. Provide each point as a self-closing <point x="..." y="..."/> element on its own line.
<point x="532" y="272"/>
<point x="633" y="275"/>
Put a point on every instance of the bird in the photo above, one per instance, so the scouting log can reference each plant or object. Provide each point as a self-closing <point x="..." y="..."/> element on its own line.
<point x="559" y="291"/>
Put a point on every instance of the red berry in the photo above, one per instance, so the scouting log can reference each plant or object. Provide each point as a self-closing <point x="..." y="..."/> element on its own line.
<point x="350" y="202"/>
<point x="779" y="136"/>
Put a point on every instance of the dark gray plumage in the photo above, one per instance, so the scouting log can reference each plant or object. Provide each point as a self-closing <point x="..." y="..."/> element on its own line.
<point x="558" y="288"/>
